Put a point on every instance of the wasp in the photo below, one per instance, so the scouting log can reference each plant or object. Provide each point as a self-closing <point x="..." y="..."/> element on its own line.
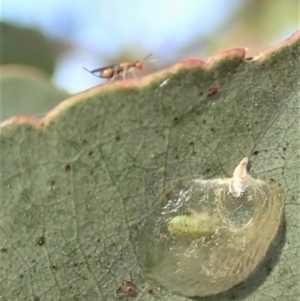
<point x="111" y="72"/>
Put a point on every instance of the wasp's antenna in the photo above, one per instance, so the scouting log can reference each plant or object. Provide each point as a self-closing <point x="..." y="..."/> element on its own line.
<point x="90" y="72"/>
<point x="146" y="58"/>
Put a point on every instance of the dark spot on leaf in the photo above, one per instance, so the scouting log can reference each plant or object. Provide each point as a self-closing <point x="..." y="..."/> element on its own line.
<point x="21" y="276"/>
<point x="271" y="180"/>
<point x="91" y="153"/>
<point x="200" y="94"/>
<point x="52" y="183"/>
<point x="212" y="91"/>
<point x="212" y="129"/>
<point x="256" y="152"/>
<point x="118" y="138"/>
<point x="269" y="269"/>
<point x="53" y="266"/>
<point x="177" y="119"/>
<point x="75" y="264"/>
<point x="204" y="121"/>
<point x="84" y="141"/>
<point x="285" y="148"/>
<point x="4" y="250"/>
<point x="68" y="192"/>
<point x="41" y="241"/>
<point x="67" y="167"/>
<point x="207" y="170"/>
<point x="176" y="157"/>
<point x="150" y="290"/>
<point x="192" y="143"/>
<point x="91" y="172"/>
<point x="194" y="153"/>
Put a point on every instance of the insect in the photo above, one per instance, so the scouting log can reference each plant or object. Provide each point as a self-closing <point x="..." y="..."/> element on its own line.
<point x="192" y="226"/>
<point x="111" y="72"/>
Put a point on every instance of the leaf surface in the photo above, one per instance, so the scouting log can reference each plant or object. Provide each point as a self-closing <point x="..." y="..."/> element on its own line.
<point x="76" y="185"/>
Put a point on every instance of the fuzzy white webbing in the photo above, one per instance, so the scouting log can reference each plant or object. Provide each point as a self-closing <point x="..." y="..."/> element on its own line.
<point x="239" y="181"/>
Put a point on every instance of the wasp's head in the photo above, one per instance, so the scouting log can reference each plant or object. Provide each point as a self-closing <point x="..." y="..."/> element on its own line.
<point x="139" y="64"/>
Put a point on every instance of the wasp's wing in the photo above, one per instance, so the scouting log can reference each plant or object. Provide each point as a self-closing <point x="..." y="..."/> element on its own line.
<point x="114" y="67"/>
<point x="98" y="70"/>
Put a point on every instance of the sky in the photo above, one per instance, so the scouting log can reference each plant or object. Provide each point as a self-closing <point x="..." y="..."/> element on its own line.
<point x="99" y="30"/>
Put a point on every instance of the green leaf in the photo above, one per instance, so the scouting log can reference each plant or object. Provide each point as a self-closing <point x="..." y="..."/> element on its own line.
<point x="26" y="46"/>
<point x="77" y="185"/>
<point x="26" y="90"/>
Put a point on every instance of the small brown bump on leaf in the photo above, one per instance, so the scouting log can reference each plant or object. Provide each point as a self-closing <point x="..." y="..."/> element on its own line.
<point x="212" y="129"/>
<point x="118" y="138"/>
<point x="204" y="121"/>
<point x="256" y="152"/>
<point x="207" y="170"/>
<point x="41" y="241"/>
<point x="67" y="167"/>
<point x="212" y="91"/>
<point x="167" y="196"/>
<point x="284" y="149"/>
<point x="91" y="153"/>
<point x="4" y="250"/>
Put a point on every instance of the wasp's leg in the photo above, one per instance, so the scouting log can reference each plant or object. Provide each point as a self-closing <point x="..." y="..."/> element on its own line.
<point x="115" y="74"/>
<point x="132" y="73"/>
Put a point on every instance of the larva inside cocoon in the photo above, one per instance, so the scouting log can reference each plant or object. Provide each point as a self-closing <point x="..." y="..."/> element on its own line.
<point x="200" y="232"/>
<point x="193" y="226"/>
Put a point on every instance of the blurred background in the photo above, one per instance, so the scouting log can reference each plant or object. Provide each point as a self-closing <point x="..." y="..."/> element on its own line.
<point x="60" y="37"/>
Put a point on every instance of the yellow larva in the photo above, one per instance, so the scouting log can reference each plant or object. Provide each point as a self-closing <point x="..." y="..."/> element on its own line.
<point x="192" y="226"/>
